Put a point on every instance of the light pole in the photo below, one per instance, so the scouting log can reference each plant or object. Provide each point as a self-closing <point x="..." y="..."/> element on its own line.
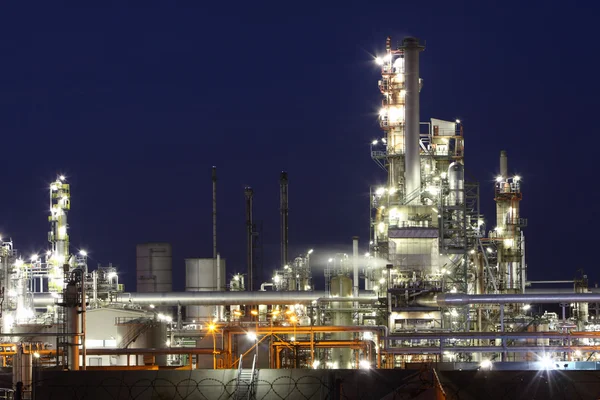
<point x="212" y="328"/>
<point x="254" y="313"/>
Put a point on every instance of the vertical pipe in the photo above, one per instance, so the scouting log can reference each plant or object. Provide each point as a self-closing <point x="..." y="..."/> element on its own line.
<point x="217" y="275"/>
<point x="355" y="265"/>
<point x="412" y="172"/>
<point x="249" y="234"/>
<point x="503" y="164"/>
<point x="283" y="209"/>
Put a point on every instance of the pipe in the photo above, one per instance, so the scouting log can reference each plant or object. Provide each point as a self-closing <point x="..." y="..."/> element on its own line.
<point x="355" y="265"/>
<point x="217" y="274"/>
<point x="503" y="164"/>
<point x="491" y="335"/>
<point x="214" y="298"/>
<point x="490" y="349"/>
<point x="249" y="235"/>
<point x="449" y="299"/>
<point x="412" y="48"/>
<point x="283" y="209"/>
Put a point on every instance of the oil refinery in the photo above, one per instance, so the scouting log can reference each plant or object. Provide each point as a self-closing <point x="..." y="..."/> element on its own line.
<point x="435" y="283"/>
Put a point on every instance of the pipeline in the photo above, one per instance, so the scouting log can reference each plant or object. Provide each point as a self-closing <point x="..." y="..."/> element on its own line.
<point x="451" y="299"/>
<point x="216" y="298"/>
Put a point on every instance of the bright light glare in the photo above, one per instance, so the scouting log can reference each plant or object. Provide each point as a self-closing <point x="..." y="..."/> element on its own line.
<point x="251" y="335"/>
<point x="364" y="364"/>
<point x="62" y="177"/>
<point x="380" y="191"/>
<point x="526" y="307"/>
<point x="547" y="363"/>
<point x="34" y="257"/>
<point x="578" y="353"/>
<point x="211" y="327"/>
<point x="379" y="60"/>
<point x="374" y="142"/>
<point x="486" y="364"/>
<point x="517" y="178"/>
<point x="36" y="354"/>
<point x="310" y="251"/>
<point x="458" y="121"/>
<point x="83" y="253"/>
<point x="382" y="280"/>
<point x="499" y="179"/>
<point x="316" y="364"/>
<point x="276" y="279"/>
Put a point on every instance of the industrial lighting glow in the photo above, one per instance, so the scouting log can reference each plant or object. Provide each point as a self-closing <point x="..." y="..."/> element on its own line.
<point x="578" y="353"/>
<point x="211" y="327"/>
<point x="382" y="280"/>
<point x="254" y="312"/>
<point x="276" y="279"/>
<point x="380" y="191"/>
<point x="526" y="307"/>
<point x="387" y="57"/>
<point x="364" y="364"/>
<point x="546" y="362"/>
<point x="517" y="178"/>
<point x="379" y="60"/>
<point x="316" y="364"/>
<point x="310" y="251"/>
<point x="392" y="190"/>
<point x="62" y="177"/>
<point x="374" y="142"/>
<point x="82" y="253"/>
<point x="486" y="364"/>
<point x="34" y="257"/>
<point x="151" y="305"/>
<point x="458" y="121"/>
<point x="36" y="354"/>
<point x="499" y="178"/>
<point x="367" y="254"/>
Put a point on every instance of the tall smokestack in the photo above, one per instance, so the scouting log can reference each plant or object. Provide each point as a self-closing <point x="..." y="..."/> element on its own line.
<point x="283" y="209"/>
<point x="249" y="232"/>
<point x="217" y="283"/>
<point x="503" y="164"/>
<point x="412" y="48"/>
<point x="355" y="265"/>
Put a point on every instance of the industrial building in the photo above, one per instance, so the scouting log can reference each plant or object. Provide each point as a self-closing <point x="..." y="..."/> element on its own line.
<point x="436" y="281"/>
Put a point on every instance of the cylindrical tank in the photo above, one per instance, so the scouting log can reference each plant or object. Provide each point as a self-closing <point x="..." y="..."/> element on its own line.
<point x="456" y="183"/>
<point x="412" y="48"/>
<point x="201" y="276"/>
<point x="148" y="334"/>
<point x="22" y="370"/>
<point x="154" y="268"/>
<point x="341" y="286"/>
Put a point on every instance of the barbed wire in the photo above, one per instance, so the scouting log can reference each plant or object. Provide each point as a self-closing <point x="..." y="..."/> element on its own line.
<point x="308" y="387"/>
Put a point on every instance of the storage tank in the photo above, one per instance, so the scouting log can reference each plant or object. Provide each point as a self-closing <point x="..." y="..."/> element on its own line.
<point x="201" y="276"/>
<point x="154" y="267"/>
<point x="144" y="333"/>
<point x="341" y="286"/>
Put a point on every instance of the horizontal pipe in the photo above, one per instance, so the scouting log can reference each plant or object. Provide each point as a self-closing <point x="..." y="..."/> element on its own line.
<point x="169" y="350"/>
<point x="547" y="282"/>
<point x="457" y="299"/>
<point x="218" y="298"/>
<point x="490" y="349"/>
<point x="491" y="335"/>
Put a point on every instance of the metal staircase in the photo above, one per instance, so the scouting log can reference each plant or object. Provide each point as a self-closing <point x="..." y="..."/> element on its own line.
<point x="245" y="388"/>
<point x="133" y="332"/>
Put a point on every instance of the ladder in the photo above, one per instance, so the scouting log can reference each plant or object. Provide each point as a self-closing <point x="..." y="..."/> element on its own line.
<point x="245" y="388"/>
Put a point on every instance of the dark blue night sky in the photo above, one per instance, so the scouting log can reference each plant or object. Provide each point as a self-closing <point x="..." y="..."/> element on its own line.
<point x="135" y="105"/>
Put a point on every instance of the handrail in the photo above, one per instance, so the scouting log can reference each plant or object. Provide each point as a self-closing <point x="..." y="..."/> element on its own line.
<point x="251" y="388"/>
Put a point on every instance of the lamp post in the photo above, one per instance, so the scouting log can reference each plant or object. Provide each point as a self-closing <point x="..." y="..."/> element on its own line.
<point x="254" y="313"/>
<point x="212" y="328"/>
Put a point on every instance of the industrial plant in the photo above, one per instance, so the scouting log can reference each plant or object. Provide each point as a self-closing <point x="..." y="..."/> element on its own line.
<point x="437" y="282"/>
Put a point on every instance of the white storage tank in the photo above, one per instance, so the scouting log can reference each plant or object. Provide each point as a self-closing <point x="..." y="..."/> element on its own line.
<point x="201" y="276"/>
<point x="154" y="267"/>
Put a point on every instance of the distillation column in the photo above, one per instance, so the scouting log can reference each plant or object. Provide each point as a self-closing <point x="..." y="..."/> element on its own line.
<point x="412" y="48"/>
<point x="60" y="204"/>
<point x="508" y="234"/>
